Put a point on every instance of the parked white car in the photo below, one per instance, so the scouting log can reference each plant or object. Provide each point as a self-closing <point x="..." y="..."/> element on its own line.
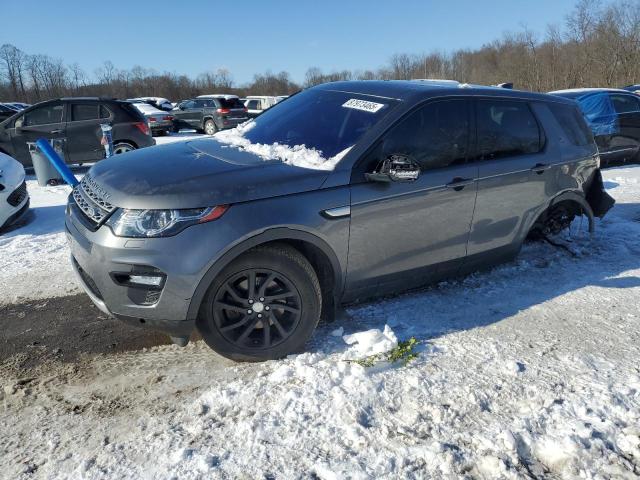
<point x="14" y="198"/>
<point x="158" y="102"/>
<point x="256" y="104"/>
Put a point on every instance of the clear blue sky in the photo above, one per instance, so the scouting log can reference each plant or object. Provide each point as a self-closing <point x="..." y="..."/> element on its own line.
<point x="247" y="37"/>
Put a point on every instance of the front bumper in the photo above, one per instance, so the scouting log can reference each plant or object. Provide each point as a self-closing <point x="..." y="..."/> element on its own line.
<point x="14" y="205"/>
<point x="184" y="258"/>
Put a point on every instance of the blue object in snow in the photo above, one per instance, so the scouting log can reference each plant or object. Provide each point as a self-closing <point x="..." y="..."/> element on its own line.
<point x="57" y="162"/>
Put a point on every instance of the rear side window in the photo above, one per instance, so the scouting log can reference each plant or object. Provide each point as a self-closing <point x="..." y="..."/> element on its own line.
<point x="230" y="103"/>
<point x="434" y="136"/>
<point x="44" y="115"/>
<point x="572" y="123"/>
<point x="104" y="112"/>
<point x="84" y="111"/>
<point x="625" y="103"/>
<point x="132" y="111"/>
<point x="506" y="129"/>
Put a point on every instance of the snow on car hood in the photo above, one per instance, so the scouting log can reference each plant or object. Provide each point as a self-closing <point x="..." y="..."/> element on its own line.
<point x="297" y="155"/>
<point x="198" y="173"/>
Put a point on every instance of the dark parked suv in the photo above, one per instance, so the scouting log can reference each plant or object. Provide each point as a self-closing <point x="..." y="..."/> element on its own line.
<point x="209" y="114"/>
<point x="78" y="121"/>
<point x="614" y="118"/>
<point x="421" y="181"/>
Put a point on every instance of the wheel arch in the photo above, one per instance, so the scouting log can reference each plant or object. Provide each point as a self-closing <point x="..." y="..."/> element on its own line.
<point x="124" y="140"/>
<point x="568" y="196"/>
<point x="318" y="252"/>
<point x="207" y="117"/>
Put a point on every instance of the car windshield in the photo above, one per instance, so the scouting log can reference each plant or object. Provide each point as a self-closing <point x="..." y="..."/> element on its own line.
<point x="323" y="120"/>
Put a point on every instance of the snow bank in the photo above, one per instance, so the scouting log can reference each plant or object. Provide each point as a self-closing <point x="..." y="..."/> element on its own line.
<point x="35" y="258"/>
<point x="371" y="342"/>
<point x="298" y="155"/>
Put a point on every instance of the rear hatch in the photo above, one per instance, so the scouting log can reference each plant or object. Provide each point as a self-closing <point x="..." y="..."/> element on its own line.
<point x="232" y="109"/>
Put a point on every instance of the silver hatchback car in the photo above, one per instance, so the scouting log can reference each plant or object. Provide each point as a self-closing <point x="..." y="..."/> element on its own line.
<point x="342" y="192"/>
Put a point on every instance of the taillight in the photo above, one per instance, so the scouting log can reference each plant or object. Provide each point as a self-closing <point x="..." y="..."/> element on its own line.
<point x="143" y="127"/>
<point x="223" y="110"/>
<point x="245" y="109"/>
<point x="152" y="119"/>
<point x="167" y="117"/>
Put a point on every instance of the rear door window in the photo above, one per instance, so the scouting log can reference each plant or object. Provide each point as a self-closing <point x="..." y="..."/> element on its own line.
<point x="253" y="104"/>
<point x="44" y="115"/>
<point x="434" y="136"/>
<point x="506" y="129"/>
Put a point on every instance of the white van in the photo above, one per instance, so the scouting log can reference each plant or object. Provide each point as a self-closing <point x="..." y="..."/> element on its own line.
<point x="256" y="104"/>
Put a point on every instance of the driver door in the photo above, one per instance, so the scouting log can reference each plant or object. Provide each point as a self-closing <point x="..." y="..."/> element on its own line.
<point x="46" y="121"/>
<point x="407" y="234"/>
<point x="182" y="113"/>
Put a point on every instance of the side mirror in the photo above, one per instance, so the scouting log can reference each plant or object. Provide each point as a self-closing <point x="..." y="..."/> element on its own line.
<point x="395" y="168"/>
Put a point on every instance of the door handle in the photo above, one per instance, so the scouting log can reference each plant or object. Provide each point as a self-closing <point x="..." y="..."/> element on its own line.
<point x="458" y="183"/>
<point x="55" y="132"/>
<point x="540" y="168"/>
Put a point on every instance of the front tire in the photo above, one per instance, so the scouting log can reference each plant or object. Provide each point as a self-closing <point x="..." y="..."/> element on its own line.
<point x="262" y="306"/>
<point x="210" y="127"/>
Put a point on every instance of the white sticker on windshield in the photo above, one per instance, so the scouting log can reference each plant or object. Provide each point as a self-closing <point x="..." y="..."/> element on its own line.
<point x="371" y="107"/>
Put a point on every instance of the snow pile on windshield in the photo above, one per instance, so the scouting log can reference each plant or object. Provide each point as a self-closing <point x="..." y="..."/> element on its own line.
<point x="298" y="155"/>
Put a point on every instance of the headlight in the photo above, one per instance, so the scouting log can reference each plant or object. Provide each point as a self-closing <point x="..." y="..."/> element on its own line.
<point x="160" y="223"/>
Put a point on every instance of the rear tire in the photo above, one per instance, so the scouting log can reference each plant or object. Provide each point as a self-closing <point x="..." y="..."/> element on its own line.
<point x="272" y="288"/>
<point x="122" y="147"/>
<point x="210" y="127"/>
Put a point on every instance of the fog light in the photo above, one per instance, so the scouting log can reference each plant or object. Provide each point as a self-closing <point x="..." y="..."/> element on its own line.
<point x="147" y="280"/>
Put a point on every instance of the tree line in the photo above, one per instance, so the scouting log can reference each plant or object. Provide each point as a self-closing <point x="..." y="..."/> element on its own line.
<point x="597" y="45"/>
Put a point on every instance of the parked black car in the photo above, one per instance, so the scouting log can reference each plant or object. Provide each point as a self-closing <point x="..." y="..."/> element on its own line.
<point x="78" y="120"/>
<point x="209" y="114"/>
<point x="415" y="182"/>
<point x="614" y="118"/>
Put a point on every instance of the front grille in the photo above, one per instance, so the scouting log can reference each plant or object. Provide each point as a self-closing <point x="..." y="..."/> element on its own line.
<point x="91" y="200"/>
<point x="18" y="195"/>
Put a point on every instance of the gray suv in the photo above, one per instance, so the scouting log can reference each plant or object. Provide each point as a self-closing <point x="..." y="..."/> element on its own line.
<point x="209" y="113"/>
<point x="422" y="181"/>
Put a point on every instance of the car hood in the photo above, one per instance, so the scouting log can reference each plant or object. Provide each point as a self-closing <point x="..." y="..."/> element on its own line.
<point x="197" y="173"/>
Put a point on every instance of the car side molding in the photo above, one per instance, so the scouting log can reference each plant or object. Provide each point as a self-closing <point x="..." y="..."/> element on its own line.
<point x="338" y="212"/>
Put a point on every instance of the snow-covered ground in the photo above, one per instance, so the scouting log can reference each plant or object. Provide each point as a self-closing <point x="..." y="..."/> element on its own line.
<point x="531" y="370"/>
